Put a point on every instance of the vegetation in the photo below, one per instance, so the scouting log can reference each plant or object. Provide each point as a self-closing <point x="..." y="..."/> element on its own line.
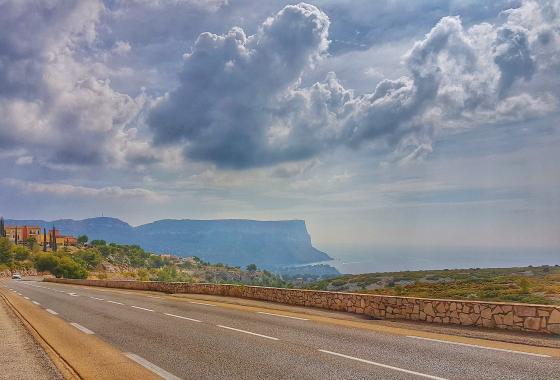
<point x="527" y="284"/>
<point x="115" y="261"/>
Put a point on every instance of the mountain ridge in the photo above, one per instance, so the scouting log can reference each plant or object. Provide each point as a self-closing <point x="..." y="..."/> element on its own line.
<point x="232" y="241"/>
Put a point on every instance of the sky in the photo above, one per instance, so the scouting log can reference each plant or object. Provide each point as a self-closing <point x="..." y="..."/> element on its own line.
<point x="380" y="123"/>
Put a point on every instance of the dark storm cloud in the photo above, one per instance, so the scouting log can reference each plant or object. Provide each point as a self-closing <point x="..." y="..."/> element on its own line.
<point x="239" y="102"/>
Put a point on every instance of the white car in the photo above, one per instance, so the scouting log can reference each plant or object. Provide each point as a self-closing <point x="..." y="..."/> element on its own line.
<point x="16" y="276"/>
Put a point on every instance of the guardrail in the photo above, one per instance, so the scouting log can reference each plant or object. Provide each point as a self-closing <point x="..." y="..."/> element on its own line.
<point x="509" y="316"/>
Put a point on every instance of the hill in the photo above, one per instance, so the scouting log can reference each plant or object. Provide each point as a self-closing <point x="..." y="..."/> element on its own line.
<point x="522" y="284"/>
<point x="231" y="241"/>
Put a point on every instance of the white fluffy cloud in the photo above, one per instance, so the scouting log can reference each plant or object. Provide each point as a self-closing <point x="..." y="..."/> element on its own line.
<point x="51" y="102"/>
<point x="239" y="102"/>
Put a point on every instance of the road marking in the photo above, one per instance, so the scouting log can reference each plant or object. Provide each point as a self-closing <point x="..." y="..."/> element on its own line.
<point x="52" y="312"/>
<point x="154" y="297"/>
<point x="202" y="303"/>
<point x="248" y="332"/>
<point x="152" y="367"/>
<point x="141" y="308"/>
<point x="179" y="316"/>
<point x="26" y="297"/>
<point x="83" y="329"/>
<point x="477" y="346"/>
<point x="36" y="303"/>
<point x="115" y="302"/>
<point x="383" y="365"/>
<point x="283" y="316"/>
<point x="97" y="298"/>
<point x="73" y="294"/>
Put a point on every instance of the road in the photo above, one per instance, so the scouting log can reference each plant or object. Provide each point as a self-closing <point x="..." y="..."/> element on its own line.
<point x="182" y="339"/>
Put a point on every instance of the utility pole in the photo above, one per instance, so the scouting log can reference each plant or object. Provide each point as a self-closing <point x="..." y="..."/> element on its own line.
<point x="16" y="237"/>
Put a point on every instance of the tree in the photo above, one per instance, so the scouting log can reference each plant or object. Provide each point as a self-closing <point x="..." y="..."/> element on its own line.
<point x="252" y="268"/>
<point x="90" y="258"/>
<point x="20" y="253"/>
<point x="68" y="268"/>
<point x="46" y="262"/>
<point x="98" y="242"/>
<point x="83" y="239"/>
<point x="6" y="256"/>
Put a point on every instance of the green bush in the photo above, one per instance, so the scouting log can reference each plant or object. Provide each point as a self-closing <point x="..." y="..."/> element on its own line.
<point x="60" y="265"/>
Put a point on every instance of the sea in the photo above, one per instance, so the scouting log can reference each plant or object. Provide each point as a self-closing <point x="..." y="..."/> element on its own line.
<point x="395" y="259"/>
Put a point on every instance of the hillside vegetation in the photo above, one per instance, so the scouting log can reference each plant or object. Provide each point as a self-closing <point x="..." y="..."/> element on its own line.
<point x="126" y="262"/>
<point x="526" y="284"/>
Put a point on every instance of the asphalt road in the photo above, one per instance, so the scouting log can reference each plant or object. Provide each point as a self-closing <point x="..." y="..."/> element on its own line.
<point x="188" y="340"/>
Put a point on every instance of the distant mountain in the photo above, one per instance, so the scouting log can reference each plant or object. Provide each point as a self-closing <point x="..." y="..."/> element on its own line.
<point x="230" y="241"/>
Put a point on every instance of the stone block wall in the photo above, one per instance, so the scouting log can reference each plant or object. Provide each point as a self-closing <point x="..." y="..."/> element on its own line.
<point x="510" y="316"/>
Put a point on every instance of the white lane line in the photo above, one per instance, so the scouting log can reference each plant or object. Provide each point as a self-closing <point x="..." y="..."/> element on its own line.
<point x="36" y="303"/>
<point x="283" y="316"/>
<point x="477" y="346"/>
<point x="248" y="332"/>
<point x="52" y="312"/>
<point x="179" y="316"/>
<point x="383" y="365"/>
<point x="152" y="367"/>
<point x="115" y="302"/>
<point x="154" y="297"/>
<point x="141" y="308"/>
<point x="97" y="298"/>
<point x="73" y="294"/>
<point x="83" y="329"/>
<point x="202" y="303"/>
<point x="26" y="297"/>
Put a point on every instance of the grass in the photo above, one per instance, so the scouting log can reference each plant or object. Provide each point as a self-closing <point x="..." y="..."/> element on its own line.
<point x="539" y="285"/>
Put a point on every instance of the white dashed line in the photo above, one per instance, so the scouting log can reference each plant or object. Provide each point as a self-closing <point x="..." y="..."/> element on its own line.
<point x="179" y="316"/>
<point x="383" y="365"/>
<point x="36" y="303"/>
<point x="283" y="316"/>
<point x="202" y="303"/>
<point x="141" y="308"/>
<point x="52" y="312"/>
<point x="248" y="332"/>
<point x="152" y="367"/>
<point x="154" y="297"/>
<point x="73" y="294"/>
<point x="26" y="297"/>
<point x="115" y="302"/>
<point x="83" y="329"/>
<point x="477" y="346"/>
<point x="96" y="298"/>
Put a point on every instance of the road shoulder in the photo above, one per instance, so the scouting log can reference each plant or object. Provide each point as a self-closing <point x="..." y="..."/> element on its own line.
<point x="22" y="357"/>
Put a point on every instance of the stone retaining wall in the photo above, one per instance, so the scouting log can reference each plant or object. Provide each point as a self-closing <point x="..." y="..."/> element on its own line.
<point x="510" y="316"/>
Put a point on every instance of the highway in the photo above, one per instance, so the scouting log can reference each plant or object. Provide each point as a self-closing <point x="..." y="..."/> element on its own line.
<point x="188" y="339"/>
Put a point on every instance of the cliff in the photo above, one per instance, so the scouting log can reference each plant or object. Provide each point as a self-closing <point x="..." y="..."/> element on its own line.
<point x="231" y="241"/>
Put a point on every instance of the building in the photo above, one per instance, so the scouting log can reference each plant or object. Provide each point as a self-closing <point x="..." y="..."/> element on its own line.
<point x="61" y="240"/>
<point x="20" y="234"/>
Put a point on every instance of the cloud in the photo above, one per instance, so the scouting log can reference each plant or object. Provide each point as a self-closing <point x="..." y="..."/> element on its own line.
<point x="240" y="103"/>
<point x="66" y="190"/>
<point x="49" y="91"/>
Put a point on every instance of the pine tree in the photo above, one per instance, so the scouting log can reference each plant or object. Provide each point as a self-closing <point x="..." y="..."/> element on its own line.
<point x="44" y="240"/>
<point x="2" y="228"/>
<point x="53" y="245"/>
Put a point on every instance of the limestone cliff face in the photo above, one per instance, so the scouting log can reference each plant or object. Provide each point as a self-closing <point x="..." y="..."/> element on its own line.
<point x="231" y="241"/>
